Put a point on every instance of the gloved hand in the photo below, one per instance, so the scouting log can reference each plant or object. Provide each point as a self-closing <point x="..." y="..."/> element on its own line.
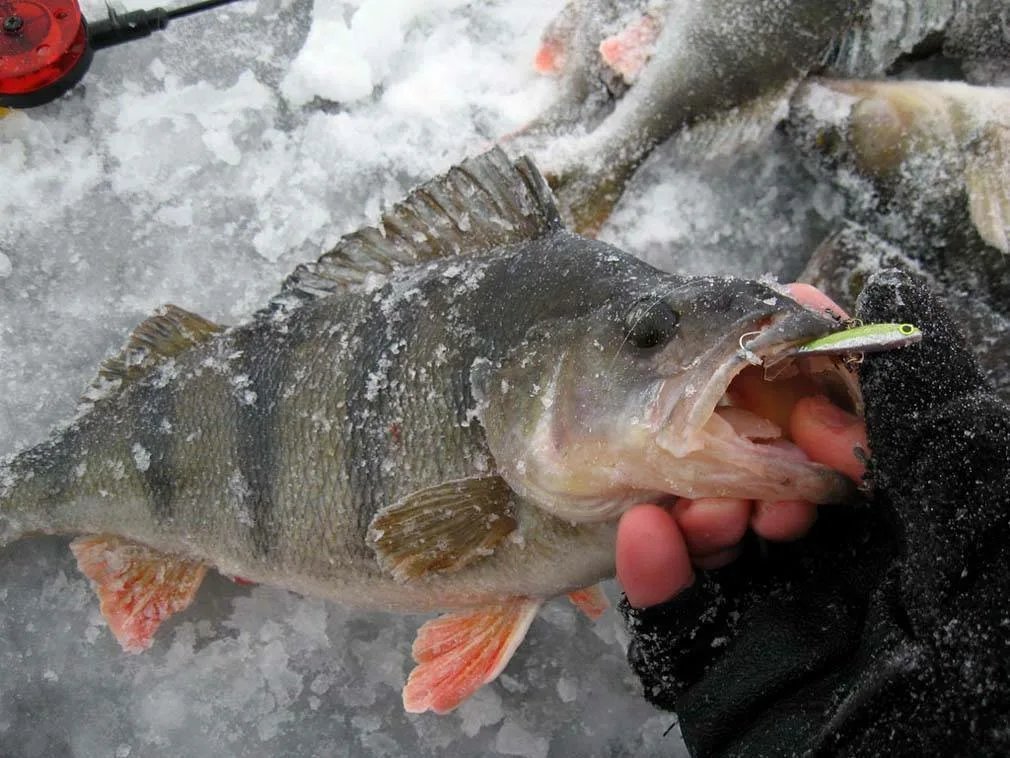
<point x="887" y="630"/>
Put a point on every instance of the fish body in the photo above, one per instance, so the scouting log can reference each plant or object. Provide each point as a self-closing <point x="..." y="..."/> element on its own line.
<point x="973" y="33"/>
<point x="447" y="412"/>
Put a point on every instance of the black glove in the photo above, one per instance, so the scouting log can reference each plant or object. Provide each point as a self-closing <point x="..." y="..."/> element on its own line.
<point x="886" y="631"/>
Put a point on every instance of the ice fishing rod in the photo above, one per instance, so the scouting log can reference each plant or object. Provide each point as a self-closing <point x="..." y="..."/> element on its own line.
<point x="46" y="45"/>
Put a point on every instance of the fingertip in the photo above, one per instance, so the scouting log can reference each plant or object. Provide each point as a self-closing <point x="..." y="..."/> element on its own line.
<point x="783" y="520"/>
<point x="829" y="435"/>
<point x="710" y="525"/>
<point x="652" y="559"/>
<point x="810" y="297"/>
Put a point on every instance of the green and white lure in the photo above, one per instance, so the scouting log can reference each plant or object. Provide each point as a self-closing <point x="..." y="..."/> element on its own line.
<point x="869" y="338"/>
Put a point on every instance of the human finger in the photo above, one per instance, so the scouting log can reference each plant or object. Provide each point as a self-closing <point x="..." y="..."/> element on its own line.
<point x="783" y="520"/>
<point x="830" y="435"/>
<point x="810" y="297"/>
<point x="653" y="564"/>
<point x="712" y="524"/>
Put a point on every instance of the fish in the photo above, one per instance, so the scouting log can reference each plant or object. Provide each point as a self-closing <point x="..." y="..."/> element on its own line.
<point x="717" y="77"/>
<point x="446" y="412"/>
<point x="635" y="79"/>
<point x="925" y="165"/>
<point x="972" y="39"/>
<point x="936" y="150"/>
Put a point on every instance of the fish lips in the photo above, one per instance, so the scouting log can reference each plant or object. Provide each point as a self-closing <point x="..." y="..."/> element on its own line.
<point x="753" y="343"/>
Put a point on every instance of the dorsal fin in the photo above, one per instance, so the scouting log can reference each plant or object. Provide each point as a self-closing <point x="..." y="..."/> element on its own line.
<point x="483" y="203"/>
<point x="170" y="331"/>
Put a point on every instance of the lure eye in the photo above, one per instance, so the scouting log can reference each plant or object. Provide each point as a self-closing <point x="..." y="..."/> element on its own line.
<point x="651" y="324"/>
<point x="906" y="329"/>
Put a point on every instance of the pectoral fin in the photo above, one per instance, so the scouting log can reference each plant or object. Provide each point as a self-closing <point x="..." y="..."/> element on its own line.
<point x="591" y="601"/>
<point x="458" y="653"/>
<point x="442" y="528"/>
<point x="987" y="181"/>
<point x="137" y="587"/>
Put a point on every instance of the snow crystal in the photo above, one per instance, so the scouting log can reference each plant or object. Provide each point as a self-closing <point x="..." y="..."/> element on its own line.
<point x="514" y="740"/>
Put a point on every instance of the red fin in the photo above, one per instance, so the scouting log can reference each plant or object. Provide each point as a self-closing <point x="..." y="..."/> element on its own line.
<point x="137" y="587"/>
<point x="550" y="58"/>
<point x="590" y="600"/>
<point x="629" y="50"/>
<point x="458" y="653"/>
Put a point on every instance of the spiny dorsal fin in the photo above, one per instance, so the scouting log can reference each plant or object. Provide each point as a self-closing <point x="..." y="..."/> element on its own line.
<point x="170" y="331"/>
<point x="483" y="203"/>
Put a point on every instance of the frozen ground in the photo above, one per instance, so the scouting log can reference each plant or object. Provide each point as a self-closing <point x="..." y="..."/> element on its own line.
<point x="198" y="167"/>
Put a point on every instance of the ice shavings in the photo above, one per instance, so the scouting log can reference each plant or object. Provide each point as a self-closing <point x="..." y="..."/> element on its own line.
<point x="349" y="51"/>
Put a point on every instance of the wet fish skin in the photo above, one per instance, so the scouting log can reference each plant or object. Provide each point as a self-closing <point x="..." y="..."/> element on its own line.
<point x="299" y="431"/>
<point x="973" y="34"/>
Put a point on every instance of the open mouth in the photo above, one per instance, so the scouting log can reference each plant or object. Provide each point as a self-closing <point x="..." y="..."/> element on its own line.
<point x="732" y="435"/>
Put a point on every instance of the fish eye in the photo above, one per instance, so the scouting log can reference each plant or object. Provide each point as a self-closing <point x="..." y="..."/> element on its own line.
<point x="651" y="324"/>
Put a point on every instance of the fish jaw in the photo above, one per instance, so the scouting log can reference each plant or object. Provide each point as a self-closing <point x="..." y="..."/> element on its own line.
<point x="679" y="434"/>
<point x="707" y="446"/>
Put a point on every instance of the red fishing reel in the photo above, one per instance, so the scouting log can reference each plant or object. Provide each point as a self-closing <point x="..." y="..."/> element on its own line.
<point x="44" y="50"/>
<point x="46" y="45"/>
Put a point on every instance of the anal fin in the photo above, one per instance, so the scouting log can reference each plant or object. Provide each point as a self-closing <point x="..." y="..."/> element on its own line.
<point x="457" y="653"/>
<point x="137" y="587"/>
<point x="590" y="600"/>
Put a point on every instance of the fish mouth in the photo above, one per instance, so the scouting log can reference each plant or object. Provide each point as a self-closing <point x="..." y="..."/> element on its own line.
<point x="730" y="436"/>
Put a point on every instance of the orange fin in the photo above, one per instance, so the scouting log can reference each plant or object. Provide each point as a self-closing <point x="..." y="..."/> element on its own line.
<point x="629" y="50"/>
<point x="550" y="58"/>
<point x="460" y="652"/>
<point x="137" y="587"/>
<point x="590" y="600"/>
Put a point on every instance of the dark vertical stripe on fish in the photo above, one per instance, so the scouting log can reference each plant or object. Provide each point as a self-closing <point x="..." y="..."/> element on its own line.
<point x="255" y="401"/>
<point x="365" y="401"/>
<point x="152" y="453"/>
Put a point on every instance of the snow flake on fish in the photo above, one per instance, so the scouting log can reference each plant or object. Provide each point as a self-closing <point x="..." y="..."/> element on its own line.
<point x="379" y="379"/>
<point x="239" y="491"/>
<point x="441" y="353"/>
<point x="141" y="457"/>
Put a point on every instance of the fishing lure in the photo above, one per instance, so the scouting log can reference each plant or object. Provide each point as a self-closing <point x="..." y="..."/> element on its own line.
<point x="869" y="338"/>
